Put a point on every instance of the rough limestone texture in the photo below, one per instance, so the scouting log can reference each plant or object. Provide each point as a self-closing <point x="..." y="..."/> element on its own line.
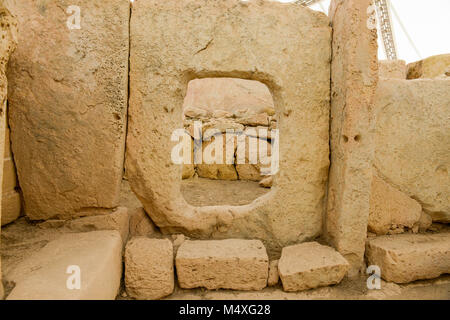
<point x="222" y="264"/>
<point x="408" y="257"/>
<point x="274" y="276"/>
<point x="432" y="67"/>
<point x="311" y="265"/>
<point x="411" y="139"/>
<point x="141" y="224"/>
<point x="234" y="98"/>
<point x="46" y="275"/>
<point x="116" y="220"/>
<point x="354" y="77"/>
<point x="149" y="271"/>
<point x="8" y="41"/>
<point x="391" y="209"/>
<point x="68" y="143"/>
<point x="392" y="69"/>
<point x="11" y="198"/>
<point x="198" y="39"/>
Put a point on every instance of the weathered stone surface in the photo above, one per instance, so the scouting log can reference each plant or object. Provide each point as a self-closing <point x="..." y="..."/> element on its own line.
<point x="266" y="182"/>
<point x="310" y="265"/>
<point x="46" y="274"/>
<point x="218" y="39"/>
<point x="228" y="264"/>
<point x="149" y="268"/>
<point x="11" y="207"/>
<point x="213" y="166"/>
<point x="252" y="159"/>
<point x="412" y="138"/>
<point x="274" y="276"/>
<point x="432" y="67"/>
<point x="69" y="143"/>
<point x="354" y="76"/>
<point x="392" y="69"/>
<point x="425" y="221"/>
<point x="391" y="209"/>
<point x="408" y="257"/>
<point x="238" y="98"/>
<point x="8" y="41"/>
<point x="116" y="220"/>
<point x="141" y="224"/>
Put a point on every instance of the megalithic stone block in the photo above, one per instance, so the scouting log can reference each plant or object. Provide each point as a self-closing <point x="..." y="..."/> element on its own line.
<point x="68" y="104"/>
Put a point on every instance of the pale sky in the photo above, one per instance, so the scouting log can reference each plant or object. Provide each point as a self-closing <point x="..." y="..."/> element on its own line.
<point x="426" y="21"/>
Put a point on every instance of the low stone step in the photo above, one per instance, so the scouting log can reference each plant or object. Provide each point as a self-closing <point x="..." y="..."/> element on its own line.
<point x="92" y="260"/>
<point x="149" y="271"/>
<point x="311" y="265"/>
<point x="408" y="257"/>
<point x="222" y="264"/>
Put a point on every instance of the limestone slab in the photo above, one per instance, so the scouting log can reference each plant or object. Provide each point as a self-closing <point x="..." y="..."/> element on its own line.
<point x="68" y="101"/>
<point x="354" y="77"/>
<point x="311" y="265"/>
<point x="408" y="257"/>
<point x="222" y="264"/>
<point x="46" y="274"/>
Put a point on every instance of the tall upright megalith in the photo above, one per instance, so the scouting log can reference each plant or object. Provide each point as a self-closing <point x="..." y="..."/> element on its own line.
<point x="8" y="40"/>
<point x="354" y="77"/>
<point x="68" y="104"/>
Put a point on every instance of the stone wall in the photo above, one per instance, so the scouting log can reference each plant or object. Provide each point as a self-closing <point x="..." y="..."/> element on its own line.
<point x="204" y="39"/>
<point x="68" y="105"/>
<point x="236" y="107"/>
<point x="8" y="38"/>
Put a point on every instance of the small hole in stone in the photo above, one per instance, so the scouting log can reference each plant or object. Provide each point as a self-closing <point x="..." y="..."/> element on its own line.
<point x="345" y="138"/>
<point x="357" y="138"/>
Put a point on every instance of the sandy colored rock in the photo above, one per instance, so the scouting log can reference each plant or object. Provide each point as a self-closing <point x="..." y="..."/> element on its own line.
<point x="392" y="69"/>
<point x="354" y="77"/>
<point x="266" y="182"/>
<point x="8" y="36"/>
<point x="115" y="220"/>
<point x="311" y="265"/>
<point x="409" y="257"/>
<point x="432" y="67"/>
<point x="9" y="175"/>
<point x="217" y="39"/>
<point x="11" y="207"/>
<point x="44" y="276"/>
<point x="69" y="144"/>
<point x="412" y="136"/>
<point x="253" y="158"/>
<point x="149" y="268"/>
<point x="425" y="221"/>
<point x="390" y="208"/>
<point x="228" y="264"/>
<point x="239" y="98"/>
<point x="274" y="277"/>
<point x="213" y="166"/>
<point x="141" y="224"/>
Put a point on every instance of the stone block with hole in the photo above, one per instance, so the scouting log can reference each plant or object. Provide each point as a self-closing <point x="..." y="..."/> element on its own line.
<point x="222" y="264"/>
